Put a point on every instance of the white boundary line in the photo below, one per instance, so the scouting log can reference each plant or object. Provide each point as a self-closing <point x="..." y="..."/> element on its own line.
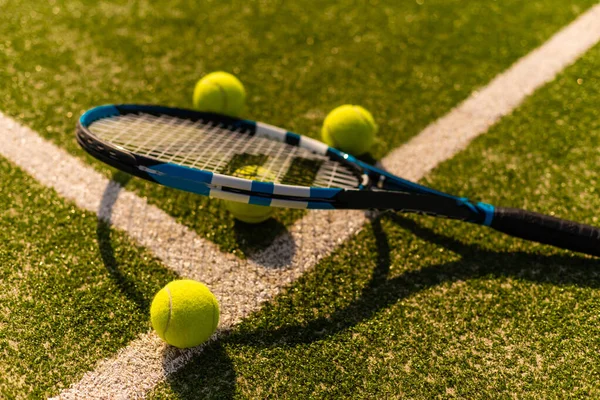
<point x="453" y="132"/>
<point x="242" y="286"/>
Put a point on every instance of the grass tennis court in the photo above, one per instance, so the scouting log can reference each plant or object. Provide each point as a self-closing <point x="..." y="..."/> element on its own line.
<point x="420" y="308"/>
<point x="410" y="306"/>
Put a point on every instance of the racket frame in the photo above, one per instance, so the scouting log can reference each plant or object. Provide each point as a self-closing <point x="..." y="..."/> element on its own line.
<point x="370" y="193"/>
<point x="375" y="189"/>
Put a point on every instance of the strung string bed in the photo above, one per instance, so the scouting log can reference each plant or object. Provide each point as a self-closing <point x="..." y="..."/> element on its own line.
<point x="221" y="149"/>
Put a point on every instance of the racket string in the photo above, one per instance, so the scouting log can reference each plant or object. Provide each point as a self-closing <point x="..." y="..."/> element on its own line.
<point x="248" y="143"/>
<point x="286" y="164"/>
<point x="267" y="167"/>
<point x="181" y="132"/>
<point x="203" y="146"/>
<point x="105" y="127"/>
<point x="170" y="145"/>
<point x="155" y="134"/>
<point x="178" y="152"/>
<point x="236" y="137"/>
<point x="216" y="148"/>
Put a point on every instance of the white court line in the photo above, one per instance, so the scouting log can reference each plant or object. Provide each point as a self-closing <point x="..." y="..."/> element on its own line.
<point x="242" y="286"/>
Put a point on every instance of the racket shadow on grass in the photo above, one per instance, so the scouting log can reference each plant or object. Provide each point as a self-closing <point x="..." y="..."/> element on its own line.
<point x="105" y="247"/>
<point x="214" y="369"/>
<point x="382" y="292"/>
<point x="127" y="277"/>
<point x="210" y="374"/>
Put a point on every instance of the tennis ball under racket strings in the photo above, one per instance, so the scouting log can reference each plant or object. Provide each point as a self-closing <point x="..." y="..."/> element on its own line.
<point x="250" y="213"/>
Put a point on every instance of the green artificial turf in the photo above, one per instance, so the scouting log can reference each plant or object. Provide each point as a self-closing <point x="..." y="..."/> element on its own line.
<point x="418" y="307"/>
<point x="412" y="306"/>
<point x="408" y="62"/>
<point x="74" y="291"/>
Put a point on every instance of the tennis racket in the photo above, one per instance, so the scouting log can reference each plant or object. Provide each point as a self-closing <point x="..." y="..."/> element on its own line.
<point x="201" y="152"/>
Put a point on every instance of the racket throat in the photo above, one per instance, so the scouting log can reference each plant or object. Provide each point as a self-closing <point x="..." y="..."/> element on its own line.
<point x="425" y="204"/>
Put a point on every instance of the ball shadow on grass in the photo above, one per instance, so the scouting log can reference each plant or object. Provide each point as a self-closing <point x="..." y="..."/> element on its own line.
<point x="210" y="374"/>
<point x="254" y="238"/>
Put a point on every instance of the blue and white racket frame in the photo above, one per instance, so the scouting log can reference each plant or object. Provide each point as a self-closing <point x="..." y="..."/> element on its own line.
<point x="376" y="188"/>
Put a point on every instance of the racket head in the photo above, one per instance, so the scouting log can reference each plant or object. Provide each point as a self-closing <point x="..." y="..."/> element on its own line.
<point x="203" y="153"/>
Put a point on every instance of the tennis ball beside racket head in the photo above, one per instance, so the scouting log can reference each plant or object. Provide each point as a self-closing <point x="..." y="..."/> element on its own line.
<point x="251" y="213"/>
<point x="220" y="92"/>
<point x="184" y="313"/>
<point x="349" y="128"/>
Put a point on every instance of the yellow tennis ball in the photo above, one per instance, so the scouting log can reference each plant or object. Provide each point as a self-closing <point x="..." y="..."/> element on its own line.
<point x="251" y="213"/>
<point x="184" y="313"/>
<point x="349" y="128"/>
<point x="220" y="92"/>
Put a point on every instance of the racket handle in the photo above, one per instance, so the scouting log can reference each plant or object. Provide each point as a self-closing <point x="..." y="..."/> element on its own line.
<point x="548" y="230"/>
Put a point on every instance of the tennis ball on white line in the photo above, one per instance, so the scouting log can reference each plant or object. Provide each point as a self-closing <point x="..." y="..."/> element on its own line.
<point x="251" y="213"/>
<point x="349" y="128"/>
<point x="184" y="313"/>
<point x="220" y="92"/>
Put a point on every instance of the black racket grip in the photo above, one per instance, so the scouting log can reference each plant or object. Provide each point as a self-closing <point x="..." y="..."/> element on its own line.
<point x="548" y="230"/>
